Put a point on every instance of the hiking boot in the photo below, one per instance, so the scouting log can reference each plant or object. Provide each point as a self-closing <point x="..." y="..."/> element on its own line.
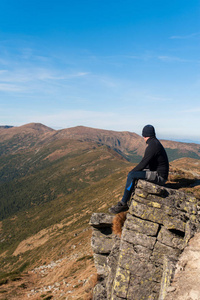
<point x="118" y="208"/>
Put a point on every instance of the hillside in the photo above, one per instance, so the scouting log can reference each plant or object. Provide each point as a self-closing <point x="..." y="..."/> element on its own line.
<point x="50" y="183"/>
<point x="38" y="163"/>
<point x="15" y="139"/>
<point x="45" y="251"/>
<point x="128" y="144"/>
<point x="50" y="241"/>
<point x="44" y="173"/>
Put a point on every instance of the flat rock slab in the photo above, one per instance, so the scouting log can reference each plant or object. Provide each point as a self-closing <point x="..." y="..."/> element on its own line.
<point x="101" y="220"/>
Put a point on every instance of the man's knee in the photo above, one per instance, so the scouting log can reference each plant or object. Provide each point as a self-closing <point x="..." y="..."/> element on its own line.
<point x="137" y="175"/>
<point x="131" y="175"/>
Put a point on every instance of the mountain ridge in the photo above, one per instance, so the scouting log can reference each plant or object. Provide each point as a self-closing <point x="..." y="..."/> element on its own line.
<point x="128" y="144"/>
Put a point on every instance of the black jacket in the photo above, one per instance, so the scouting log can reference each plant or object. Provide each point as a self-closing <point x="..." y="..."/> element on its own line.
<point x="155" y="158"/>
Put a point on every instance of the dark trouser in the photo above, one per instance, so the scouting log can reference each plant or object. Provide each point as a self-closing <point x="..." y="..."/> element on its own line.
<point x="133" y="175"/>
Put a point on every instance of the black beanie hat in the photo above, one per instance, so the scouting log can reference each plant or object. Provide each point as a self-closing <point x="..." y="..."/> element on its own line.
<point x="148" y="131"/>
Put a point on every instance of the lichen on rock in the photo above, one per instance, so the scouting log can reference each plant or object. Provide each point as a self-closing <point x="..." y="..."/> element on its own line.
<point x="140" y="264"/>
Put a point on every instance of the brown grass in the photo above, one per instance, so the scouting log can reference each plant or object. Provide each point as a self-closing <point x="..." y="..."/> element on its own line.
<point x="92" y="282"/>
<point x="118" y="223"/>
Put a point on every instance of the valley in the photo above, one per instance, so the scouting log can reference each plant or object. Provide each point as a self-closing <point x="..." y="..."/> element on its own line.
<point x="50" y="184"/>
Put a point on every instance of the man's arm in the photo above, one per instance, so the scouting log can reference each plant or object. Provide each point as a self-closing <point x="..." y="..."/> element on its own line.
<point x="148" y="155"/>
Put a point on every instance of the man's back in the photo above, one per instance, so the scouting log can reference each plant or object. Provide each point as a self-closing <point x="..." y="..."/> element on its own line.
<point x="159" y="161"/>
<point x="155" y="158"/>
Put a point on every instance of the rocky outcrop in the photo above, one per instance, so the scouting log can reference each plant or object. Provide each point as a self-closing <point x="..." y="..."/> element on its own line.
<point x="141" y="264"/>
<point x="186" y="281"/>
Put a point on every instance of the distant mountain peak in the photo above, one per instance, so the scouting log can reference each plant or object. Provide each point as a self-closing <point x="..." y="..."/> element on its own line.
<point x="37" y="126"/>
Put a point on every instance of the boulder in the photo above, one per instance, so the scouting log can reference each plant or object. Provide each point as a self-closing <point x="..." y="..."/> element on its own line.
<point x="140" y="264"/>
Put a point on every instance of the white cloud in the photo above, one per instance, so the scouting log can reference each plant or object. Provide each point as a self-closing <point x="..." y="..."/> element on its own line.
<point x="4" y="62"/>
<point x="75" y="117"/>
<point x="70" y="118"/>
<point x="4" y="87"/>
<point x="191" y="110"/>
<point x="158" y="98"/>
<point x="189" y="36"/>
<point x="79" y="74"/>
<point x="34" y="73"/>
<point x="172" y="59"/>
<point x="3" y="71"/>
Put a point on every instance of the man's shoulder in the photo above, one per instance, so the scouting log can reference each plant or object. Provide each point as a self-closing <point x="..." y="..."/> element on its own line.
<point x="153" y="140"/>
<point x="154" y="143"/>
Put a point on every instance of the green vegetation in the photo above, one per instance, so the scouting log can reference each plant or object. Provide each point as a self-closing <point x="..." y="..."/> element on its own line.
<point x="133" y="157"/>
<point x="175" y="154"/>
<point x="13" y="275"/>
<point x="73" y="211"/>
<point x="31" y="179"/>
<point x="53" y="195"/>
<point x="86" y="257"/>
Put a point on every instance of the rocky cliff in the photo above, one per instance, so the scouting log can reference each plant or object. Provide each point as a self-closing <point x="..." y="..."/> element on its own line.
<point x="141" y="263"/>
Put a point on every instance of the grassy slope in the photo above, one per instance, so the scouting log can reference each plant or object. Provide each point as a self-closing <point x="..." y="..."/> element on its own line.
<point x="60" y="226"/>
<point x="51" y="230"/>
<point x="73" y="210"/>
<point x="63" y="187"/>
<point x="49" y="193"/>
<point x="42" y="174"/>
<point x="174" y="154"/>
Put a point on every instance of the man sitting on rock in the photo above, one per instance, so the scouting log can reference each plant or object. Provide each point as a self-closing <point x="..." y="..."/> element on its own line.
<point x="153" y="167"/>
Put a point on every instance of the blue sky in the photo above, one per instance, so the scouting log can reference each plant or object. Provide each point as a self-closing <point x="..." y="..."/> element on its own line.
<point x="115" y="65"/>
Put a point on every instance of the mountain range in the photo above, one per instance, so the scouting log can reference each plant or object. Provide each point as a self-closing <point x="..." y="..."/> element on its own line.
<point x="128" y="144"/>
<point x="51" y="181"/>
<point x="38" y="163"/>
